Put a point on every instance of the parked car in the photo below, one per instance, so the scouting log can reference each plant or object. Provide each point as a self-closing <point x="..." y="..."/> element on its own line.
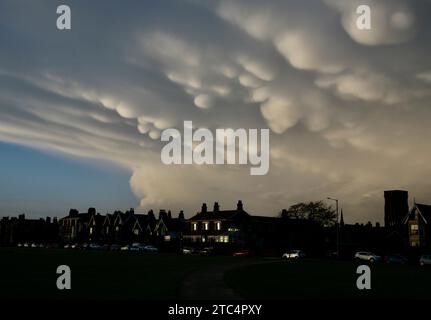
<point x="74" y="246"/>
<point x="425" y="260"/>
<point x="293" y="254"/>
<point x="395" y="259"/>
<point x="135" y="247"/>
<point x="367" y="256"/>
<point x="19" y="245"/>
<point x="149" y="248"/>
<point x="188" y="250"/>
<point x="124" y="248"/>
<point x="115" y="247"/>
<point x="94" y="246"/>
<point x="67" y="246"/>
<point x="25" y="245"/>
<point x="241" y="253"/>
<point x="206" y="250"/>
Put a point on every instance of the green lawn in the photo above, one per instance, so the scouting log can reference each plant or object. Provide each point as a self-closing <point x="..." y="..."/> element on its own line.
<point x="31" y="273"/>
<point x="314" y="279"/>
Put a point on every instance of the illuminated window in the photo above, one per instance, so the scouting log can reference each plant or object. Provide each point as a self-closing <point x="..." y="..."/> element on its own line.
<point x="91" y="230"/>
<point x="206" y="225"/>
<point x="218" y="225"/>
<point x="223" y="239"/>
<point x="137" y="232"/>
<point x="195" y="226"/>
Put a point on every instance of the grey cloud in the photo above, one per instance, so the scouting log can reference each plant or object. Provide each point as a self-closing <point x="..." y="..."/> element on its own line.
<point x="348" y="112"/>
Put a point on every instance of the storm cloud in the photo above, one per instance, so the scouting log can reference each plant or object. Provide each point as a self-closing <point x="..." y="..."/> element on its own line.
<point x="348" y="109"/>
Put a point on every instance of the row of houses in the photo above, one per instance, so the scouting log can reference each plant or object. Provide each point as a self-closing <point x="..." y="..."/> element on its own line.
<point x="223" y="229"/>
<point x="19" y="229"/>
<point x="120" y="227"/>
<point x="232" y="228"/>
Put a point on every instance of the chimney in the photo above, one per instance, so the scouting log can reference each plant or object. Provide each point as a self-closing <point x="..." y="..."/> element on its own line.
<point x="204" y="208"/>
<point x="239" y="206"/>
<point x="216" y="207"/>
<point x="181" y="215"/>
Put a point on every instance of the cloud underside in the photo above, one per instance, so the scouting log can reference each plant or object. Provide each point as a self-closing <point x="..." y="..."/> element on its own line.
<point x="348" y="110"/>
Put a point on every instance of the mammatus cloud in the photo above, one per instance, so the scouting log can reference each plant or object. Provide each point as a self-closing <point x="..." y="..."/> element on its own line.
<point x="348" y="109"/>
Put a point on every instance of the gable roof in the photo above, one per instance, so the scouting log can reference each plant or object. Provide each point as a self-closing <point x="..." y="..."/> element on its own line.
<point x="107" y="219"/>
<point x="142" y="221"/>
<point x="422" y="210"/>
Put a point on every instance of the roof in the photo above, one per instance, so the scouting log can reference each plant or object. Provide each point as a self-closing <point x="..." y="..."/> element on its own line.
<point x="81" y="216"/>
<point x="423" y="210"/>
<point x="219" y="215"/>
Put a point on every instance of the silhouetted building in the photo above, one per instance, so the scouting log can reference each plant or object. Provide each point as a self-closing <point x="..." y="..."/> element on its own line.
<point x="217" y="226"/>
<point x="31" y="231"/>
<point x="396" y="207"/>
<point x="237" y="229"/>
<point x="419" y="225"/>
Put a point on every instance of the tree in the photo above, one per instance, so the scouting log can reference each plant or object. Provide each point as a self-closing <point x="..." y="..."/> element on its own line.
<point x="316" y="211"/>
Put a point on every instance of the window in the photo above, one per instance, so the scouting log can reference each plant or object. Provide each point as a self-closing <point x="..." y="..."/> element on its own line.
<point x="218" y="225"/>
<point x="195" y="226"/>
<point x="414" y="229"/>
<point x="223" y="239"/>
<point x="206" y="225"/>
<point x="91" y="230"/>
<point x="137" y="232"/>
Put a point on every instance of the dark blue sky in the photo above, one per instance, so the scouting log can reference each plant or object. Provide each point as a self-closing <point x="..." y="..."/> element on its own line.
<point x="41" y="183"/>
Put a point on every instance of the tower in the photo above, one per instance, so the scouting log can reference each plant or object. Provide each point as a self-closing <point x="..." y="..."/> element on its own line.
<point x="396" y="207"/>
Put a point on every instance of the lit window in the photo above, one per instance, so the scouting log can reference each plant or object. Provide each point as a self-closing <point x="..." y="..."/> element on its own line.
<point x="91" y="230"/>
<point x="414" y="227"/>
<point x="218" y="225"/>
<point x="223" y="239"/>
<point x="203" y="239"/>
<point x="137" y="232"/>
<point x="195" y="226"/>
<point x="206" y="225"/>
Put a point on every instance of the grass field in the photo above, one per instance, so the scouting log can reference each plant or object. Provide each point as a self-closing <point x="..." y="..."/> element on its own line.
<point x="317" y="279"/>
<point x="31" y="274"/>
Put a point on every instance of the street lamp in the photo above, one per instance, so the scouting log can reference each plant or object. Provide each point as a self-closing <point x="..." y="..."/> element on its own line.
<point x="338" y="227"/>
